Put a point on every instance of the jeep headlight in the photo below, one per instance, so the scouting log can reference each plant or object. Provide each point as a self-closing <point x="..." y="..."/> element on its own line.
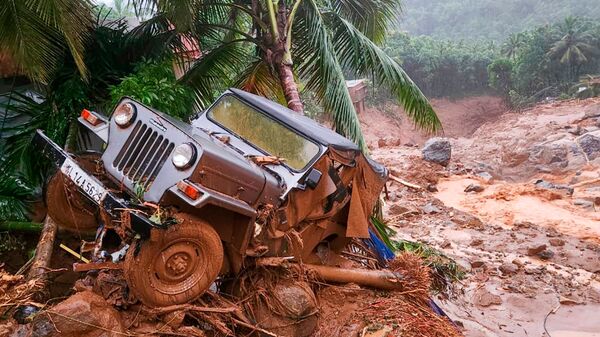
<point x="184" y="156"/>
<point x="125" y="115"/>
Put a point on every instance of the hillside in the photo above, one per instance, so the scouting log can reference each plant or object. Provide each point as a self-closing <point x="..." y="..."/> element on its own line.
<point x="488" y="19"/>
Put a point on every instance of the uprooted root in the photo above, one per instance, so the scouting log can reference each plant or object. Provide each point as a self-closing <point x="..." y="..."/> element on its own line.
<point x="356" y="311"/>
<point x="16" y="291"/>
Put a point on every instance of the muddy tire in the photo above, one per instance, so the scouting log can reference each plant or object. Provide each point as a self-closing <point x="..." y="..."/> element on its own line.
<point x="176" y="267"/>
<point x="69" y="208"/>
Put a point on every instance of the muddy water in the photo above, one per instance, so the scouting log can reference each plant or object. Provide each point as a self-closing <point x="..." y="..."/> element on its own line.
<point x="575" y="321"/>
<point x="506" y="204"/>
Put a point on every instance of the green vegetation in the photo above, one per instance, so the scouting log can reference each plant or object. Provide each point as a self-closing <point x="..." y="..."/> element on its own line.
<point x="153" y="83"/>
<point x="488" y="19"/>
<point x="443" y="68"/>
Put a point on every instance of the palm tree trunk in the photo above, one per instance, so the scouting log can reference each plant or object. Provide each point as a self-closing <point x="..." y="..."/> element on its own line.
<point x="290" y="87"/>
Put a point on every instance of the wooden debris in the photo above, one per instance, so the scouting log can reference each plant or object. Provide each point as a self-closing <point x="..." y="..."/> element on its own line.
<point x="43" y="252"/>
<point x="405" y="183"/>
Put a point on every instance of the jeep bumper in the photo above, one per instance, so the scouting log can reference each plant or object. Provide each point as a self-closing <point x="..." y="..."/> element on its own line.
<point x="91" y="187"/>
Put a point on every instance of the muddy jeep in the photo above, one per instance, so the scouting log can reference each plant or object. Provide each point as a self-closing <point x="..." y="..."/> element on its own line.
<point x="177" y="206"/>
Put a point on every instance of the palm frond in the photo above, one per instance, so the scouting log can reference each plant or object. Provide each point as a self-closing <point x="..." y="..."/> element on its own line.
<point x="258" y="79"/>
<point x="36" y="32"/>
<point x="318" y="64"/>
<point x="372" y="18"/>
<point x="357" y="52"/>
<point x="216" y="69"/>
<point x="15" y="194"/>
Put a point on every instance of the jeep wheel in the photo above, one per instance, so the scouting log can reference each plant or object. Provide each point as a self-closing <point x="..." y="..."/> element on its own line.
<point x="176" y="267"/>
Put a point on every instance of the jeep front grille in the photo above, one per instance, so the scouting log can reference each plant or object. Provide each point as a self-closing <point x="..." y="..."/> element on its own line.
<point x="142" y="155"/>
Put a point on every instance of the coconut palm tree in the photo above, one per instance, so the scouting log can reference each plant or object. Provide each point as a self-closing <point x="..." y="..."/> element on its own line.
<point x="275" y="47"/>
<point x="36" y="33"/>
<point x="512" y="45"/>
<point x="574" y="48"/>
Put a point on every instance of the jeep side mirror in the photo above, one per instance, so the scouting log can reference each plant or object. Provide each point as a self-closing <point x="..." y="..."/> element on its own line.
<point x="313" y="178"/>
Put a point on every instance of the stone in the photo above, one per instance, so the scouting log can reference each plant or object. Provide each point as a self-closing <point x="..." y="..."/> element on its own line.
<point x="437" y="150"/>
<point x="381" y="142"/>
<point x="396" y="209"/>
<point x="583" y="203"/>
<point x="508" y="268"/>
<point x="591" y="111"/>
<point x="486" y="177"/>
<point x="432" y="188"/>
<point x="477" y="264"/>
<point x="546" y="254"/>
<point x="430" y="208"/>
<point x="556" y="242"/>
<point x="476" y="242"/>
<point x="84" y="314"/>
<point x="484" y="298"/>
<point x="518" y="262"/>
<point x="535" y="250"/>
<point x="590" y="145"/>
<point x="467" y="220"/>
<point x="474" y="188"/>
<point x="551" y="186"/>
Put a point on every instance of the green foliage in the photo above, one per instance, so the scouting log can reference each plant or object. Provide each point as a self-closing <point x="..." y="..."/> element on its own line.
<point x="488" y="19"/>
<point x="15" y="195"/>
<point x="549" y="59"/>
<point x="153" y="83"/>
<point x="443" y="68"/>
<point x="37" y="33"/>
<point x="500" y="73"/>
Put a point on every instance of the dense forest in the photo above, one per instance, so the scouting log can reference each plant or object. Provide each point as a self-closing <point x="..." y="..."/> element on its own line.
<point x="488" y="19"/>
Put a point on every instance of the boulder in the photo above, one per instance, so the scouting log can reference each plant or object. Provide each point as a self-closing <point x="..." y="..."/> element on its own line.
<point x="592" y="111"/>
<point x="551" y="186"/>
<point x="84" y="314"/>
<point x="474" y="188"/>
<point x="437" y="150"/>
<point x="590" y="145"/>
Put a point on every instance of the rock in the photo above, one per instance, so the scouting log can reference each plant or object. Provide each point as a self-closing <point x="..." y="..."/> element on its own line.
<point x="476" y="242"/>
<point x="381" y="142"/>
<point x="590" y="145"/>
<point x="508" y="268"/>
<point x="551" y="186"/>
<point x="432" y="188"/>
<point x="430" y="208"/>
<point x="477" y="264"/>
<point x="437" y="150"/>
<point x="535" y="250"/>
<point x="84" y="314"/>
<point x="484" y="298"/>
<point x="591" y="111"/>
<point x="546" y="254"/>
<point x="474" y="188"/>
<point x="584" y="203"/>
<point x="467" y="220"/>
<point x="575" y="130"/>
<point x="518" y="262"/>
<point x="396" y="209"/>
<point x="556" y="242"/>
<point x="486" y="177"/>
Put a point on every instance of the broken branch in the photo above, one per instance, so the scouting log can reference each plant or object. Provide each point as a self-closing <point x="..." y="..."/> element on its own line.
<point x="405" y="183"/>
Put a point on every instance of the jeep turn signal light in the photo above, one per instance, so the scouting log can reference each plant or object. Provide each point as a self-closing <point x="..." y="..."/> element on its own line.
<point x="189" y="190"/>
<point x="90" y="117"/>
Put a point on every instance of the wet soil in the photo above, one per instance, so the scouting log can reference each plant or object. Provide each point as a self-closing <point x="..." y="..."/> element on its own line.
<point x="527" y="250"/>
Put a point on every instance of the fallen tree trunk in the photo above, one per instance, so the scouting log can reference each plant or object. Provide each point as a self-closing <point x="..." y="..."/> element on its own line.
<point x="380" y="279"/>
<point x="43" y="251"/>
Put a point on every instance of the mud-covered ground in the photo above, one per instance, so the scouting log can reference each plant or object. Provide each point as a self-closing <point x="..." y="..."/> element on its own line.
<point x="532" y="251"/>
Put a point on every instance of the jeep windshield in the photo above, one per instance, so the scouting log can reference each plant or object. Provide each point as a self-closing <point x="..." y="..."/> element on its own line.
<point x="263" y="132"/>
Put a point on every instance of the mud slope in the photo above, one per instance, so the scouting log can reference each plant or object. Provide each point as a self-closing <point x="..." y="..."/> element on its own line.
<point x="532" y="250"/>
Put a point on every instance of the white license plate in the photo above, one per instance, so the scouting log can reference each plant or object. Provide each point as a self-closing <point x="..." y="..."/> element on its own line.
<point x="88" y="184"/>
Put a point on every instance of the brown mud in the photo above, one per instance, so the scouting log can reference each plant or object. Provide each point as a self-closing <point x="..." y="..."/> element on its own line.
<point x="532" y="253"/>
